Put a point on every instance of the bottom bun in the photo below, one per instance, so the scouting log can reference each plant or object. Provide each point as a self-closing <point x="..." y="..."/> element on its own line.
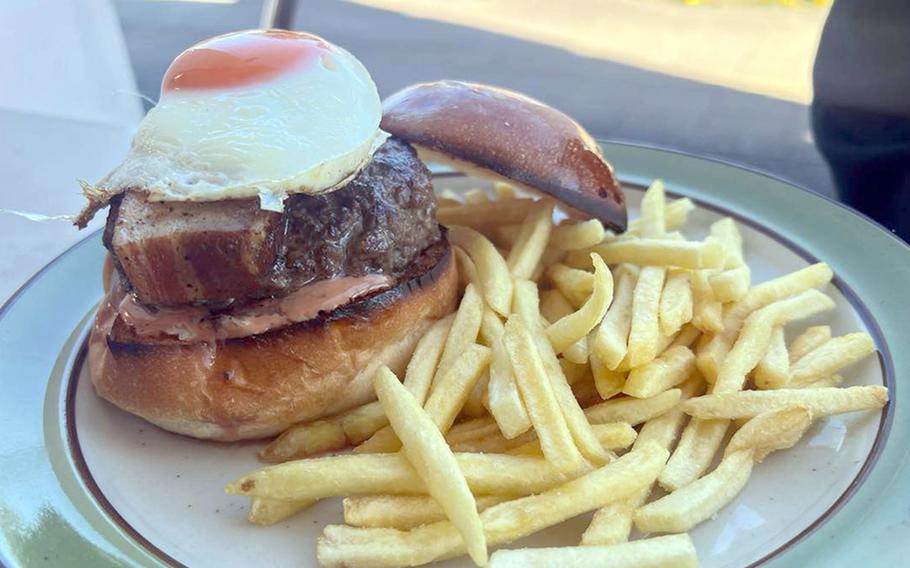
<point x="257" y="386"/>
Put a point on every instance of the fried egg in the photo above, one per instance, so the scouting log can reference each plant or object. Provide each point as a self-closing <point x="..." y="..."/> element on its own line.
<point x="260" y="113"/>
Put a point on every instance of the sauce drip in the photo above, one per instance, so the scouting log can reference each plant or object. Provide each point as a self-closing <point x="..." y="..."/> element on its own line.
<point x="242" y="59"/>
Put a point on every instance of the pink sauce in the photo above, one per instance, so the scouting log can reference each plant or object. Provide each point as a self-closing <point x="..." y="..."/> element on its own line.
<point x="242" y="59"/>
<point x="192" y="323"/>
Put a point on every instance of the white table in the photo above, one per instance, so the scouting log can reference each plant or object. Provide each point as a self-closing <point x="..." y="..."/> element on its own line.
<point x="67" y="111"/>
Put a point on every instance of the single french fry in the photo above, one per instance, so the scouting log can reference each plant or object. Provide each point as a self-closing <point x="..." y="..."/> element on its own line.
<point x="771" y="431"/>
<point x="576" y="285"/>
<point x="670" y="551"/>
<point x="467" y="272"/>
<point x="492" y="270"/>
<point x="608" y="383"/>
<point x="832" y="381"/>
<point x="578" y="235"/>
<point x="611" y="338"/>
<point x="431" y="457"/>
<point x="814" y="276"/>
<point x="653" y="222"/>
<point x="481" y="215"/>
<point x="612" y="436"/>
<point x="675" y="216"/>
<point x="697" y="446"/>
<point x="537" y="392"/>
<point x="575" y="326"/>
<point x="265" y="511"/>
<point x="464" y="331"/>
<point x="676" y="303"/>
<point x="832" y="356"/>
<point x="503" y="523"/>
<point x="402" y="512"/>
<point x="655" y="252"/>
<point x="707" y="311"/>
<point x="633" y="410"/>
<point x="531" y="242"/>
<point x="452" y="390"/>
<point x="670" y="369"/>
<point x="808" y="341"/>
<point x="820" y="401"/>
<point x="644" y="332"/>
<point x="732" y="284"/>
<point x="773" y="370"/>
<point x="371" y="474"/>
<point x="702" y="499"/>
<point x="503" y="398"/>
<point x="755" y="336"/>
<point x="306" y="439"/>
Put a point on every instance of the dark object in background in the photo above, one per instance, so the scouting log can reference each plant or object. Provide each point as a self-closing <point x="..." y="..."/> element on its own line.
<point x="861" y="110"/>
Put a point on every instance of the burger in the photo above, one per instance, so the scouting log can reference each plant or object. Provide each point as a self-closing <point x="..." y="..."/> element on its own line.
<point x="273" y="237"/>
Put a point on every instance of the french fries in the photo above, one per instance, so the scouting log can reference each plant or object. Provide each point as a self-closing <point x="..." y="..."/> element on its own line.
<point x="830" y="357"/>
<point x="392" y="474"/>
<point x="644" y="332"/>
<point x="755" y="336"/>
<point x="655" y="252"/>
<point x="402" y="512"/>
<point x="575" y="284"/>
<point x="576" y="326"/>
<point x="773" y="370"/>
<point x="464" y="331"/>
<point x="690" y="505"/>
<point x="807" y="341"/>
<point x="481" y="215"/>
<point x="503" y="398"/>
<point x="492" y="270"/>
<point x="511" y="408"/>
<point x="611" y="339"/>
<point x="676" y="303"/>
<point x="531" y="241"/>
<point x="537" y="392"/>
<point x="433" y="460"/>
<point x="613" y="523"/>
<point x="667" y="371"/>
<point x="503" y="523"/>
<point x="265" y="511"/>
<point x="671" y="551"/>
<point x="819" y="401"/>
<point x="578" y="235"/>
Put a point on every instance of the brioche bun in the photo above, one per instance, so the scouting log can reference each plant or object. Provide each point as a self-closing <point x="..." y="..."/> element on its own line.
<point x="496" y="133"/>
<point x="257" y="386"/>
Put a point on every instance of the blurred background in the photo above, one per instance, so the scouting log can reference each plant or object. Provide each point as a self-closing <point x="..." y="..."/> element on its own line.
<point x="730" y="79"/>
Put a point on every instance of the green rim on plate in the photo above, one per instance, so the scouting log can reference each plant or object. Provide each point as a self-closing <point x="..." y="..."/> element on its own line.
<point x="49" y="517"/>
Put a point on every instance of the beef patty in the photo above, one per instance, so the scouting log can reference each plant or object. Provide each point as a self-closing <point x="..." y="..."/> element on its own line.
<point x="174" y="253"/>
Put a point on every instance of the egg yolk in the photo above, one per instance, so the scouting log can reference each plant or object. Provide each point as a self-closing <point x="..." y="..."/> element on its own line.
<point x="242" y="59"/>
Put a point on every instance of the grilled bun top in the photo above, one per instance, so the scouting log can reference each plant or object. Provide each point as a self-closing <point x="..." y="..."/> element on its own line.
<point x="507" y="134"/>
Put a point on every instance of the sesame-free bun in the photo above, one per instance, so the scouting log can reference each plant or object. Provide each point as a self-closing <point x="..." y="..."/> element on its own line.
<point x="494" y="132"/>
<point x="259" y="385"/>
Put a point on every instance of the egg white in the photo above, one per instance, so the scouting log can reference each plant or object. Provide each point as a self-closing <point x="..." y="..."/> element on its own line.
<point x="308" y="131"/>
